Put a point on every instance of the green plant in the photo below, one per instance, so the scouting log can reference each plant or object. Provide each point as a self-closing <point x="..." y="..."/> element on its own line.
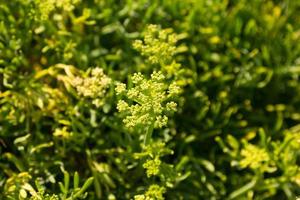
<point x="18" y="187"/>
<point x="149" y="99"/>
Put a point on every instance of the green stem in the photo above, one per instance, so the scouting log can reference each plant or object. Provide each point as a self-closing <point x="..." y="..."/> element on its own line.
<point x="149" y="134"/>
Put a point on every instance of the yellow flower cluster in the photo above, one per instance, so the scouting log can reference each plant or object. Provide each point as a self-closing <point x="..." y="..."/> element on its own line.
<point x="66" y="5"/>
<point x="154" y="192"/>
<point x="94" y="86"/>
<point x="47" y="6"/>
<point x="151" y="100"/>
<point x="159" y="45"/>
<point x="152" y="166"/>
<point x="254" y="157"/>
<point x="153" y="152"/>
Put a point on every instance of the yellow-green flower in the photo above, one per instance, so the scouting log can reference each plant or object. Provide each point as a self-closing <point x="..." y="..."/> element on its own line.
<point x="94" y="86"/>
<point x="152" y="166"/>
<point x="45" y="7"/>
<point x="254" y="157"/>
<point x="146" y="103"/>
<point x="154" y="192"/>
<point x="158" y="46"/>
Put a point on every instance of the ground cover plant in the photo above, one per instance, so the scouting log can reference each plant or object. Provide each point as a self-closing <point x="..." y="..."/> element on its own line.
<point x="149" y="100"/>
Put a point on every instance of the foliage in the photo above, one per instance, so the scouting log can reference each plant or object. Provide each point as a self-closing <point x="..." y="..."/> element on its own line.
<point x="149" y="100"/>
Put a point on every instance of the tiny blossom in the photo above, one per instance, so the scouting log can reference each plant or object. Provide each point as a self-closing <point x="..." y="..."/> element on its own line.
<point x="67" y="5"/>
<point x="171" y="106"/>
<point x="77" y="81"/>
<point x="159" y="45"/>
<point x="139" y="197"/>
<point x="150" y="101"/>
<point x="120" y="88"/>
<point x="172" y="68"/>
<point x="94" y="86"/>
<point x="161" y="121"/>
<point x="253" y="157"/>
<point x="157" y="76"/>
<point x="152" y="166"/>
<point x="122" y="106"/>
<point x="154" y="150"/>
<point x="174" y="89"/>
<point x="47" y="6"/>
<point x="137" y="78"/>
<point x="154" y="192"/>
<point x="133" y="93"/>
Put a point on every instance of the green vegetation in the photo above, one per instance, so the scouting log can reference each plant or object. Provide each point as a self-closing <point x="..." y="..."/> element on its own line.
<point x="149" y="100"/>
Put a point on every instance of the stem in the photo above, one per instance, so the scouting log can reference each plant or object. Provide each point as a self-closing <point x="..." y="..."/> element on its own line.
<point x="149" y="134"/>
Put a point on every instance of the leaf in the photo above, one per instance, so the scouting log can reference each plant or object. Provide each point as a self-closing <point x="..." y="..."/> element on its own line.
<point x="207" y="164"/>
<point x="242" y="190"/>
<point x="23" y="139"/>
<point x="85" y="186"/>
<point x="18" y="163"/>
<point x="76" y="180"/>
<point x="41" y="146"/>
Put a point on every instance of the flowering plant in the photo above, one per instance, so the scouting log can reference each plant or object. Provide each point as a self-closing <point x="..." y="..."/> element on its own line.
<point x="149" y="100"/>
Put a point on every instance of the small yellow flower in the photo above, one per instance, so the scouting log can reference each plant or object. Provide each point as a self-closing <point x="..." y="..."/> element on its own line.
<point x="152" y="166"/>
<point x="159" y="45"/>
<point x="94" y="86"/>
<point x="254" y="157"/>
<point x="150" y="100"/>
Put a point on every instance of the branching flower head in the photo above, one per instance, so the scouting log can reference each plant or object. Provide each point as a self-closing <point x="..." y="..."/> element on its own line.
<point x="254" y="157"/>
<point x="94" y="86"/>
<point x="47" y="6"/>
<point x="155" y="149"/>
<point x="153" y="153"/>
<point x="159" y="45"/>
<point x="154" y="192"/>
<point x="151" y="101"/>
<point x="152" y="166"/>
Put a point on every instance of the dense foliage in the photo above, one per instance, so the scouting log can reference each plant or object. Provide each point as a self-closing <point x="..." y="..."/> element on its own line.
<point x="149" y="100"/>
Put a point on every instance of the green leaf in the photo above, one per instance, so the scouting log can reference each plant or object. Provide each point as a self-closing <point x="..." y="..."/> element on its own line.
<point x="237" y="193"/>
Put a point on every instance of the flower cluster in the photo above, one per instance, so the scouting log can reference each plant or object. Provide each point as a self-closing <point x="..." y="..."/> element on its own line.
<point x="94" y="86"/>
<point x="47" y="6"/>
<point x="153" y="153"/>
<point x="151" y="100"/>
<point x="66" y="5"/>
<point x="154" y="192"/>
<point x="152" y="166"/>
<point x="159" y="45"/>
<point x="254" y="157"/>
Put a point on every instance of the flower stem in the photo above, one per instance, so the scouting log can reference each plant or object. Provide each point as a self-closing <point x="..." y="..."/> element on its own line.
<point x="149" y="134"/>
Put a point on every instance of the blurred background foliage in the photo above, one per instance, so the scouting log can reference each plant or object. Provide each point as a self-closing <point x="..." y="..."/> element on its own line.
<point x="236" y="132"/>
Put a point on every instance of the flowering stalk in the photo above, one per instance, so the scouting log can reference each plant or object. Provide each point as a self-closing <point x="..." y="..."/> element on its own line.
<point x="149" y="134"/>
<point x="146" y="105"/>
